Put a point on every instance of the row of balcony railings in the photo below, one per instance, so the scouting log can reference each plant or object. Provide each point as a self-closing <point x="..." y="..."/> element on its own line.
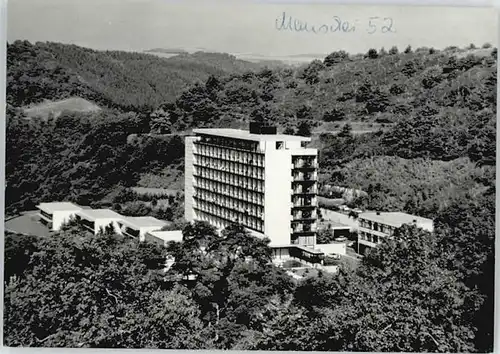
<point x="255" y="157"/>
<point x="305" y="202"/>
<point x="304" y="228"/>
<point x="244" y="185"/>
<point x="232" y="170"/>
<point x="304" y="241"/>
<point x="202" y="190"/>
<point x="305" y="215"/>
<point x="232" y="159"/>
<point x="370" y="238"/>
<point x="303" y="190"/>
<point x="304" y="177"/>
<point x="251" y="146"/>
<point x="304" y="164"/>
<point x="246" y="221"/>
<point x="47" y="215"/>
<point x="87" y="223"/>
<point x="223" y="207"/>
<point x="386" y="229"/>
<point x="218" y="196"/>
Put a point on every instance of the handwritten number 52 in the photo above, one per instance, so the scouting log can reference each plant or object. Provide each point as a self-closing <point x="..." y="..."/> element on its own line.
<point x="386" y="27"/>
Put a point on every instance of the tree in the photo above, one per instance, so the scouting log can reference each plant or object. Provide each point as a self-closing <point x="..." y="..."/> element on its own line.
<point x="304" y="129"/>
<point x="304" y="112"/>
<point x="335" y="58"/>
<point x="408" y="49"/>
<point x="96" y="291"/>
<point x="397" y="89"/>
<point x="466" y="236"/>
<point x="161" y="123"/>
<point x="377" y="101"/>
<point x="410" y="68"/>
<point x="289" y="131"/>
<point x="346" y="131"/>
<point x="311" y="72"/>
<point x="372" y="54"/>
<point x="400" y="275"/>
<point x="481" y="147"/>
<point x="334" y="115"/>
<point x="18" y="251"/>
<point x="325" y="236"/>
<point x="394" y="50"/>
<point x="432" y="76"/>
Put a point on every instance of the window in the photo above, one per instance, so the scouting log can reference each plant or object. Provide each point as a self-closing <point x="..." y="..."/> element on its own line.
<point x="279" y="145"/>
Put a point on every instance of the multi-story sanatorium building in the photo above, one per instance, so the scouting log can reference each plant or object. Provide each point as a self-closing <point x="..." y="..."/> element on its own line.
<point x="375" y="226"/>
<point x="263" y="180"/>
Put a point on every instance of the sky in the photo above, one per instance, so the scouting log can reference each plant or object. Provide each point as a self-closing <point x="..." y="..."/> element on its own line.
<point x="246" y="27"/>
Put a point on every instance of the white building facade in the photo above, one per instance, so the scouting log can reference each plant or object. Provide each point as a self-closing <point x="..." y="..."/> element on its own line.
<point x="137" y="226"/>
<point x="265" y="181"/>
<point x="375" y="226"/>
<point x="55" y="214"/>
<point x="96" y="220"/>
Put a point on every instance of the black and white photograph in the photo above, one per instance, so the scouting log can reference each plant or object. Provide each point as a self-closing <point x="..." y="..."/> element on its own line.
<point x="246" y="176"/>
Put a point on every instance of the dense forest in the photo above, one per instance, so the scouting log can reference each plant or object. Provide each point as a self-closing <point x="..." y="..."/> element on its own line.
<point x="431" y="151"/>
<point x="122" y="80"/>
<point x="105" y="291"/>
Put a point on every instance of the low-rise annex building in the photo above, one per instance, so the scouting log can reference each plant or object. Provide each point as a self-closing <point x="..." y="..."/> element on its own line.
<point x="96" y="220"/>
<point x="163" y="237"/>
<point x="375" y="226"/>
<point x="138" y="226"/>
<point x="55" y="214"/>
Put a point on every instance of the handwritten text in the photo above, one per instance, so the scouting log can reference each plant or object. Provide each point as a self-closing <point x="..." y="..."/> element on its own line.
<point x="371" y="25"/>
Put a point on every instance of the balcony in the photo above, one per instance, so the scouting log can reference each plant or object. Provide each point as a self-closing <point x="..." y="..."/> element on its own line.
<point x="220" y="207"/>
<point x="302" y="164"/>
<point x="228" y="170"/>
<point x="233" y="156"/>
<point x="302" y="190"/>
<point x="374" y="232"/>
<point x="304" y="177"/>
<point x="223" y="181"/>
<point x="305" y="216"/>
<point x="299" y="203"/>
<point x="215" y="195"/>
<point x="304" y="228"/>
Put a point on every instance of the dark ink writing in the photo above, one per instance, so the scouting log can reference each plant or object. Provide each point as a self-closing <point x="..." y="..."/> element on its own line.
<point x="337" y="25"/>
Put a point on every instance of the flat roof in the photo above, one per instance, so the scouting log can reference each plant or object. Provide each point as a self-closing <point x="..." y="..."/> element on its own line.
<point x="174" y="235"/>
<point x="58" y="206"/>
<point x="93" y="214"/>
<point x="143" y="221"/>
<point x="337" y="225"/>
<point x="300" y="247"/>
<point x="304" y="152"/>
<point x="246" y="135"/>
<point x="393" y="218"/>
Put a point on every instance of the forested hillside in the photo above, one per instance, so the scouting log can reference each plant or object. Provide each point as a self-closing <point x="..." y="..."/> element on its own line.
<point x="124" y="80"/>
<point x="383" y="87"/>
<point x="81" y="157"/>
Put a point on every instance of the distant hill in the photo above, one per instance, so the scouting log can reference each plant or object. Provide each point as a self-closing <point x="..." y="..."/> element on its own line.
<point x="166" y="51"/>
<point x="262" y="60"/>
<point x="55" y="108"/>
<point x="124" y="80"/>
